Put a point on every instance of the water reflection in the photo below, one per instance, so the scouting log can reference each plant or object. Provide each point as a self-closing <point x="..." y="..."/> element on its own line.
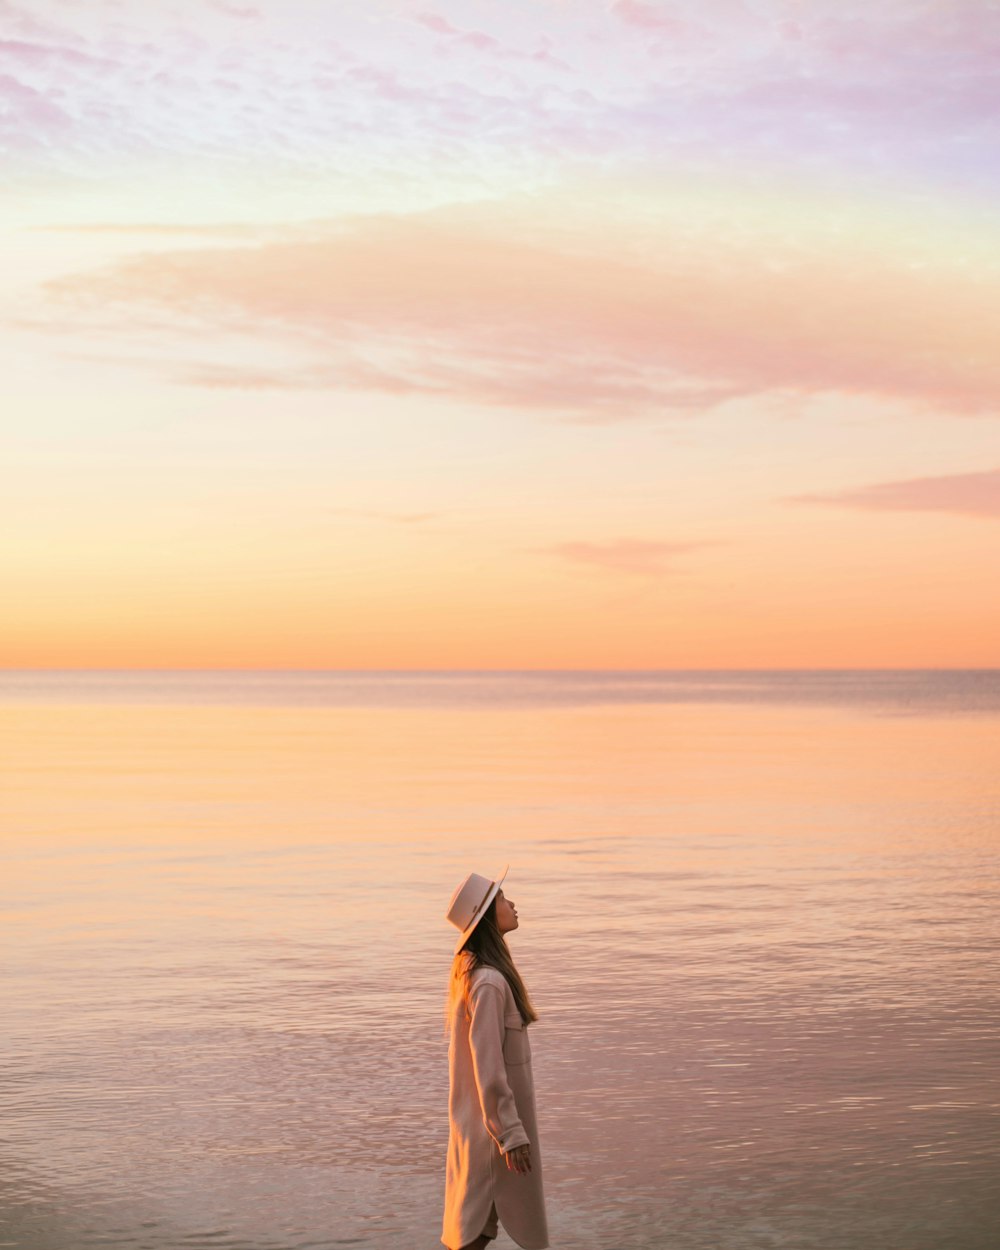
<point x="761" y="939"/>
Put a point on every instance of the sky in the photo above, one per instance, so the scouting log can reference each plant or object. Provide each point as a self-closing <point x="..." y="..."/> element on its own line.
<point x="548" y="334"/>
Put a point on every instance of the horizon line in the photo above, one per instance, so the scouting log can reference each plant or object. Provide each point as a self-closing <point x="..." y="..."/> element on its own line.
<point x="876" y="668"/>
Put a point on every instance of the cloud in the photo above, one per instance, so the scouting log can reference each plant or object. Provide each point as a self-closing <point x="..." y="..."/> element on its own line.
<point x="18" y="20"/>
<point x="626" y="555"/>
<point x="192" y="83"/>
<point x="481" y="306"/>
<point x="39" y="55"/>
<point x="578" y="387"/>
<point x="879" y="89"/>
<point x="30" y="118"/>
<point x="886" y="89"/>
<point x="242" y="13"/>
<point x="965" y="494"/>
<point x="475" y="38"/>
<point x="482" y="42"/>
<point x="200" y="229"/>
<point x="648" y="17"/>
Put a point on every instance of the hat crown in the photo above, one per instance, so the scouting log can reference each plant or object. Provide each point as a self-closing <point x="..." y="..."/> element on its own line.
<point x="468" y="900"/>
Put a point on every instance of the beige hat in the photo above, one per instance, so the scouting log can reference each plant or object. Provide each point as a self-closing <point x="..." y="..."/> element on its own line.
<point x="469" y="903"/>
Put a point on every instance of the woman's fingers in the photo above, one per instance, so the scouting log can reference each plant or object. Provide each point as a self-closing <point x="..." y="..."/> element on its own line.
<point x="519" y="1159"/>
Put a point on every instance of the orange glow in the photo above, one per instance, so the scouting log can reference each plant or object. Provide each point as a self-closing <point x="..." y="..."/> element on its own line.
<point x="663" y="429"/>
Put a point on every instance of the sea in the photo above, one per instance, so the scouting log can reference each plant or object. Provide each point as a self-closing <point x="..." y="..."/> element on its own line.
<point x="758" y="919"/>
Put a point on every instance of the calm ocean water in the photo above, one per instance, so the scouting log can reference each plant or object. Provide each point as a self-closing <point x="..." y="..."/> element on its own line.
<point x="758" y="917"/>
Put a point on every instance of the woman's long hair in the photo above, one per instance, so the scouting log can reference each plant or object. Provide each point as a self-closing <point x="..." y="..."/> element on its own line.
<point x="486" y="948"/>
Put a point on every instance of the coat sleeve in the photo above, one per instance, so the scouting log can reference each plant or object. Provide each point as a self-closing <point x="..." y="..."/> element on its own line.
<point x="486" y="1032"/>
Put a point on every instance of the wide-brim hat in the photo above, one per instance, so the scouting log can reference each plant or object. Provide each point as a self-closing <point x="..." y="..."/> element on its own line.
<point x="470" y="902"/>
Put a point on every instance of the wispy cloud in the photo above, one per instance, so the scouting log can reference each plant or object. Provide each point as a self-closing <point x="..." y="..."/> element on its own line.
<point x="229" y="84"/>
<point x="649" y="17"/>
<point x="201" y="229"/>
<point x="243" y="13"/>
<point x="473" y="38"/>
<point x="966" y="494"/>
<point x="469" y="304"/>
<point x="890" y="88"/>
<point x="626" y="555"/>
<point x="480" y="41"/>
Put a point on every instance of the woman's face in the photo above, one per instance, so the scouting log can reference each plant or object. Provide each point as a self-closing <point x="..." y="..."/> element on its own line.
<point x="506" y="913"/>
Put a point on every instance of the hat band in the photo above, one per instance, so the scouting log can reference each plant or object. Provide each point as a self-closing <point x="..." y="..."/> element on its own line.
<point x="479" y="904"/>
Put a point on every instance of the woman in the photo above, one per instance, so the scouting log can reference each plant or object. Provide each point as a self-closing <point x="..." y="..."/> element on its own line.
<point x="494" y="1168"/>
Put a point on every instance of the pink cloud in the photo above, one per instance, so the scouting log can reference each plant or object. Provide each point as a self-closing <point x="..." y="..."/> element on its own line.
<point x="487" y="43"/>
<point x="434" y="21"/>
<point x="31" y="117"/>
<point x="476" y="38"/>
<point x="811" y="87"/>
<point x="18" y="20"/>
<point x="508" y="380"/>
<point x="626" y="555"/>
<point x="790" y="30"/>
<point x="242" y="13"/>
<point x="31" y="54"/>
<point x="460" y="304"/>
<point x="648" y="17"/>
<point x="965" y="494"/>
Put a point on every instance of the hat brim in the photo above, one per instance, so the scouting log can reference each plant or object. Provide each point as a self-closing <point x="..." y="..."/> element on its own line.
<point x="491" y="894"/>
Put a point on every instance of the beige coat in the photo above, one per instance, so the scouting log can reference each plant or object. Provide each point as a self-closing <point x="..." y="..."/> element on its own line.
<point x="491" y="1109"/>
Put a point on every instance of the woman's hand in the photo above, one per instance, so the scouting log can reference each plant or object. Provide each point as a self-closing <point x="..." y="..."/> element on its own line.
<point x="519" y="1159"/>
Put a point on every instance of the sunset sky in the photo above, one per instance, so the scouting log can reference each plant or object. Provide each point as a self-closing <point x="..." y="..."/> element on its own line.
<point x="523" y="334"/>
